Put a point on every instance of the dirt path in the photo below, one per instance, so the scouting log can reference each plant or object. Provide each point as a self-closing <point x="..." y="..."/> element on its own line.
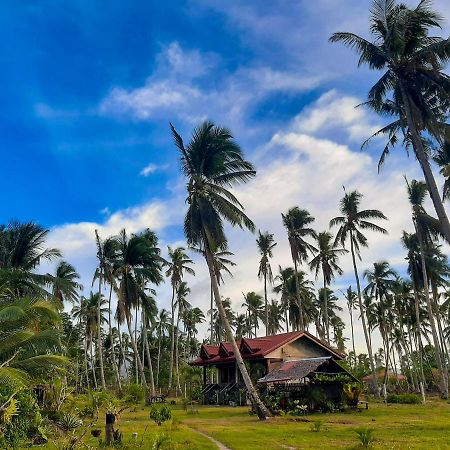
<point x="219" y="445"/>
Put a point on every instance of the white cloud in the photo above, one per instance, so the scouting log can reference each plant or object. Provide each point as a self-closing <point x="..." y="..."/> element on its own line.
<point x="150" y="168"/>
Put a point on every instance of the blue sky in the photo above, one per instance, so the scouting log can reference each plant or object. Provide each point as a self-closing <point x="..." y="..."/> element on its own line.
<point x="88" y="89"/>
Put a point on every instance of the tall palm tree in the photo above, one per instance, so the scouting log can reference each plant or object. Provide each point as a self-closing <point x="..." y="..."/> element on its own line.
<point x="65" y="286"/>
<point x="276" y="318"/>
<point x="427" y="230"/>
<point x="254" y="305"/>
<point x="138" y="259"/>
<point x="351" y="298"/>
<point x="162" y="326"/>
<point x="179" y="264"/>
<point x="211" y="162"/>
<point x="350" y="223"/>
<point x="413" y="88"/>
<point x="442" y="159"/>
<point x="297" y="221"/>
<point x="266" y="244"/>
<point x="380" y="281"/>
<point x="326" y="260"/>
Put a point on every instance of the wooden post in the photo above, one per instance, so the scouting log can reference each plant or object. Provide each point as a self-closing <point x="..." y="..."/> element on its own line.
<point x="109" y="428"/>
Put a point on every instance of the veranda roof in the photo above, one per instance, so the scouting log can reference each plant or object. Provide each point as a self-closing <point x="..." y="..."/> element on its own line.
<point x="294" y="370"/>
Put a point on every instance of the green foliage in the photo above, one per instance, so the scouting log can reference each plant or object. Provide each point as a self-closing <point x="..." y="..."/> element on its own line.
<point x="20" y="417"/>
<point x="134" y="393"/>
<point x="365" y="436"/>
<point x="409" y="399"/>
<point x="160" y="414"/>
<point x="161" y="441"/>
<point x="69" y="422"/>
<point x="351" y="393"/>
<point x="317" y="426"/>
<point x="329" y="379"/>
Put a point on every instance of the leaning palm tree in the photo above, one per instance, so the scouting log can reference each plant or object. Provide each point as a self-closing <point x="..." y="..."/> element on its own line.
<point x="211" y="162"/>
<point x="350" y="223"/>
<point x="428" y="229"/>
<point x="326" y="261"/>
<point x="266" y="244"/>
<point x="297" y="221"/>
<point x="413" y="88"/>
<point x="179" y="264"/>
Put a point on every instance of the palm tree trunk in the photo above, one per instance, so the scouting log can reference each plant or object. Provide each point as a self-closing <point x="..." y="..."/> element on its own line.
<point x="363" y="318"/>
<point x="99" y="335"/>
<point x="212" y="315"/>
<point x="444" y="387"/>
<point x="172" y="338"/>
<point x="135" y="349"/>
<point x="258" y="405"/>
<point x="426" y="168"/>
<point x="325" y="313"/>
<point x="266" y="305"/>
<point x="122" y="351"/>
<point x="147" y="353"/>
<point x="159" y="356"/>
<point x="299" y="300"/>
<point x="86" y="361"/>
<point x="113" y="354"/>
<point x="352" y="329"/>
<point x="93" y="365"/>
<point x="177" y="353"/>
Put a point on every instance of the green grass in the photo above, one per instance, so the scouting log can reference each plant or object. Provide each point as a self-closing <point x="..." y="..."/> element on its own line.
<point x="395" y="427"/>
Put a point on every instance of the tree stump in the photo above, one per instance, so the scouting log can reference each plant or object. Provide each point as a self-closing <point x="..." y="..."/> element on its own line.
<point x="109" y="428"/>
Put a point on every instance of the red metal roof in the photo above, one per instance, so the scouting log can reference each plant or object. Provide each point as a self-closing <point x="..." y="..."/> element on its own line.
<point x="254" y="348"/>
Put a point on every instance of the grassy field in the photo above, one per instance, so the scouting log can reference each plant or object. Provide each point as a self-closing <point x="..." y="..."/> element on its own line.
<point x="395" y="427"/>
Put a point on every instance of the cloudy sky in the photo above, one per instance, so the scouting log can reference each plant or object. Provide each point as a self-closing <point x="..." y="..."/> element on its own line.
<point x="88" y="89"/>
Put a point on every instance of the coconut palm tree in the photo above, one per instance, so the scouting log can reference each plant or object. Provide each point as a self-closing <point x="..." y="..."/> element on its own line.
<point x="326" y="261"/>
<point x="219" y="330"/>
<point x="29" y="339"/>
<point x="413" y="88"/>
<point x="138" y="260"/>
<point x="276" y="318"/>
<point x="211" y="162"/>
<point x="162" y="327"/>
<point x="179" y="264"/>
<point x="442" y="158"/>
<point x="65" y="286"/>
<point x="253" y="303"/>
<point x="266" y="244"/>
<point x="351" y="298"/>
<point x="427" y="230"/>
<point x="352" y="223"/>
<point x="297" y="221"/>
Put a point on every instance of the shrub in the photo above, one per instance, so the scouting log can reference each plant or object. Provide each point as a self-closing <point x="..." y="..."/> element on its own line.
<point x="317" y="425"/>
<point x="351" y="392"/>
<point x="365" y="437"/>
<point x="134" y="393"/>
<point x="160" y="414"/>
<point x="21" y="418"/>
<point x="409" y="399"/>
<point x="70" y="422"/>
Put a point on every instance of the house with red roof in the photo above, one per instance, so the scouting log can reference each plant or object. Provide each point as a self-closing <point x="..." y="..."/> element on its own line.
<point x="271" y="360"/>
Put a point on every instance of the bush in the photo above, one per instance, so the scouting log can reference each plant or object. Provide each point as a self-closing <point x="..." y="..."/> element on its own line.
<point x="351" y="392"/>
<point x="160" y="414"/>
<point x="408" y="399"/>
<point x="22" y="419"/>
<point x="134" y="393"/>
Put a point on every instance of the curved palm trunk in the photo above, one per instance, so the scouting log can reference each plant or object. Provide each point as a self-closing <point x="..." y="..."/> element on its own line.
<point x="113" y="353"/>
<point x="172" y="338"/>
<point x="258" y="405"/>
<point x="299" y="300"/>
<point x="426" y="168"/>
<point x="135" y="350"/>
<point x="99" y="335"/>
<point x="147" y="354"/>
<point x="437" y="347"/>
<point x="363" y="318"/>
